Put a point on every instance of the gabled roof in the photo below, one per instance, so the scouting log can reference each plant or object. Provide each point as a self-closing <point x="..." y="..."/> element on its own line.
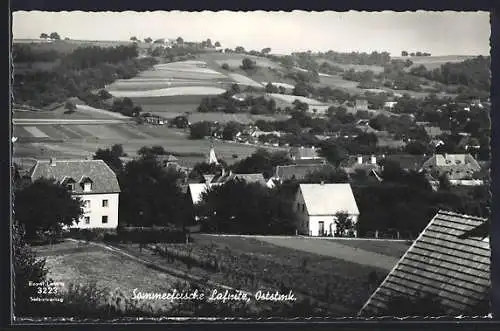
<point x="442" y="261"/>
<point x="103" y="178"/>
<point x="299" y="171"/>
<point x="196" y="192"/>
<point x="328" y="199"/>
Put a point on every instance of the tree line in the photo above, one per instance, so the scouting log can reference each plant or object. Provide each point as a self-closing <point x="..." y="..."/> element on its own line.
<point x="79" y="73"/>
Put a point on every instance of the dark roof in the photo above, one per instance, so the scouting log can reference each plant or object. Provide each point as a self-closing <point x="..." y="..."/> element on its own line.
<point x="309" y="161"/>
<point x="298" y="171"/>
<point x="442" y="261"/>
<point x="408" y="161"/>
<point x="103" y="178"/>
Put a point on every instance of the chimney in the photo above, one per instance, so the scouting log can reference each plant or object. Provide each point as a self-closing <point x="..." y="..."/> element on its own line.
<point x="373" y="159"/>
<point x="53" y="161"/>
<point x="360" y="160"/>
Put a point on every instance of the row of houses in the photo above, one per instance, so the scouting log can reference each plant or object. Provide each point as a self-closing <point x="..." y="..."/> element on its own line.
<point x="316" y="204"/>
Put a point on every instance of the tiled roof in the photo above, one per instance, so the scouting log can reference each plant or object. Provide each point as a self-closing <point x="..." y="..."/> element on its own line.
<point x="103" y="178"/>
<point x="457" y="166"/>
<point x="328" y="199"/>
<point x="441" y="262"/>
<point x="298" y="172"/>
<point x="407" y="161"/>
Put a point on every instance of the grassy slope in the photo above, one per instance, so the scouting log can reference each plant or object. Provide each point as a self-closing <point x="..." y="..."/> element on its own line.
<point x="69" y="262"/>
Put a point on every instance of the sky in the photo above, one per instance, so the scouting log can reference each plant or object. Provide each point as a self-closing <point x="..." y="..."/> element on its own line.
<point x="438" y="33"/>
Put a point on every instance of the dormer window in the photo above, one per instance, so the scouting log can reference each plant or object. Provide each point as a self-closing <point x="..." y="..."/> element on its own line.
<point x="86" y="184"/>
<point x="69" y="183"/>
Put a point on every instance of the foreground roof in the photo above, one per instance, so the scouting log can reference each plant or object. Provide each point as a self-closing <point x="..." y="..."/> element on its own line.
<point x="448" y="260"/>
<point x="103" y="178"/>
<point x="329" y="199"/>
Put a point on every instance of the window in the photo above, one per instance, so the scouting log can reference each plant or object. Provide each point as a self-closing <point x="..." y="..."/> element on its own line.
<point x="104" y="219"/>
<point x="86" y="203"/>
<point x="87" y="187"/>
<point x="87" y="219"/>
<point x="69" y="187"/>
<point x="104" y="203"/>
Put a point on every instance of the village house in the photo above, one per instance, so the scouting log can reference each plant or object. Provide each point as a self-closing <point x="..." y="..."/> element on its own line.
<point x="317" y="205"/>
<point x="297" y="171"/>
<point x="389" y="105"/>
<point x="304" y="153"/>
<point x="361" y="163"/>
<point x="455" y="166"/>
<point x="92" y="181"/>
<point x="450" y="260"/>
<point x="361" y="104"/>
<point x="149" y="118"/>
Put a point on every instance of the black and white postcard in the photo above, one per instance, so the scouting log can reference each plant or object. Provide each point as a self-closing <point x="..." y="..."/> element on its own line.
<point x="175" y="164"/>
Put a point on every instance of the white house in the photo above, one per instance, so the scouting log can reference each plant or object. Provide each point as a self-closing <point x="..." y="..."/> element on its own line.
<point x="317" y="204"/>
<point x="92" y="181"/>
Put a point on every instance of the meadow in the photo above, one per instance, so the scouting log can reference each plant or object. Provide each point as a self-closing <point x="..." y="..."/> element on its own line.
<point x="332" y="281"/>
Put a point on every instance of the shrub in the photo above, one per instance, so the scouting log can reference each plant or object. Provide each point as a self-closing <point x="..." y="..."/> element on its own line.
<point x="225" y="66"/>
<point x="150" y="235"/>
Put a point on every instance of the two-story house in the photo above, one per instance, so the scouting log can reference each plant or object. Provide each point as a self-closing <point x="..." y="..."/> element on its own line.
<point x="92" y="181"/>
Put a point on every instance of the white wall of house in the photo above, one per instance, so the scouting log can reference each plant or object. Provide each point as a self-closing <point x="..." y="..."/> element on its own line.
<point x="95" y="209"/>
<point x="310" y="224"/>
<point x="329" y="226"/>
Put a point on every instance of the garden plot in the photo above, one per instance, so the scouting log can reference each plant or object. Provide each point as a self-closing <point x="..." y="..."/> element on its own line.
<point x="244" y="80"/>
<point x="173" y="91"/>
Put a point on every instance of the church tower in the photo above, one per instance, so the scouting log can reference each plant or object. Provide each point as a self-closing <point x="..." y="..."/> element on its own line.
<point x="212" y="159"/>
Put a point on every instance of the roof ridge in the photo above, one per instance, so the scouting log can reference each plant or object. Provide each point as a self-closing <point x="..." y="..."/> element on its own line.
<point x="447" y="212"/>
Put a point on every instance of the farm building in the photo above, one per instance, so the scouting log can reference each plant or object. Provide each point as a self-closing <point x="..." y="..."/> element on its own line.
<point x="361" y="163"/>
<point x="90" y="180"/>
<point x="297" y="171"/>
<point x="316" y="206"/>
<point x="304" y="153"/>
<point x="361" y="104"/>
<point x="456" y="166"/>
<point x="449" y="261"/>
<point x="407" y="162"/>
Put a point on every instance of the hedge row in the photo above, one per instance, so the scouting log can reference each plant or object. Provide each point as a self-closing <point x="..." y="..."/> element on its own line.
<point x="145" y="235"/>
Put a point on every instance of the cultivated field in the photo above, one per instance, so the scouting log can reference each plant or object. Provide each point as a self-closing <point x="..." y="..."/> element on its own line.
<point x="339" y="285"/>
<point x="357" y="67"/>
<point x="244" y="80"/>
<point x="433" y="62"/>
<point x="172" y="91"/>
